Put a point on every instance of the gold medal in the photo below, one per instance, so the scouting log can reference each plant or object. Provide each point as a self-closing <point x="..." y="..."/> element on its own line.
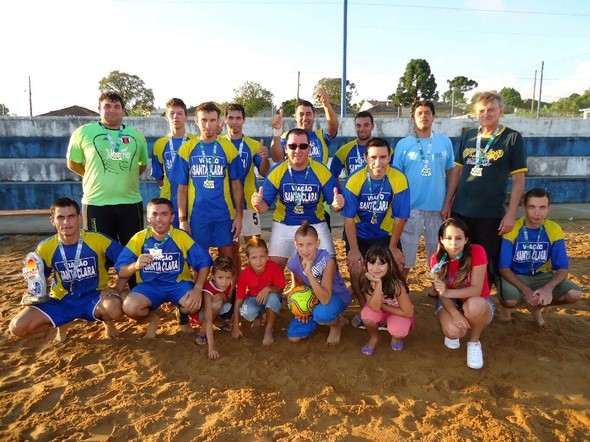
<point x="476" y="171"/>
<point x="374" y="219"/>
<point x="298" y="210"/>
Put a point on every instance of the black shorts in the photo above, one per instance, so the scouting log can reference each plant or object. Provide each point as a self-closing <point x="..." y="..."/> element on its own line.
<point x="119" y="221"/>
<point x="365" y="244"/>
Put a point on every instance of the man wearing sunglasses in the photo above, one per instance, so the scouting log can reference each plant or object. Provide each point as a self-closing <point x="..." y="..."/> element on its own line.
<point x="300" y="185"/>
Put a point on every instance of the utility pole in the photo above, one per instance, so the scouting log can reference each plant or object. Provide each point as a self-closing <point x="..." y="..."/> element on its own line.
<point x="540" y="89"/>
<point x="30" y="98"/>
<point x="343" y="88"/>
<point x="298" y="83"/>
<point x="534" y="92"/>
<point x="453" y="102"/>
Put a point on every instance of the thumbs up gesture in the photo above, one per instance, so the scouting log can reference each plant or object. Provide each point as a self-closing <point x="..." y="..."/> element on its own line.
<point x="338" y="202"/>
<point x="277" y="120"/>
<point x="257" y="201"/>
<point x="263" y="150"/>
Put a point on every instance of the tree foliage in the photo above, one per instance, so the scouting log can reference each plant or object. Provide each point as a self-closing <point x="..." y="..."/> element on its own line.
<point x="139" y="100"/>
<point x="460" y="84"/>
<point x="333" y="87"/>
<point x="511" y="97"/>
<point x="253" y="97"/>
<point x="570" y="106"/>
<point x="288" y="107"/>
<point x="418" y="82"/>
<point x="4" y="111"/>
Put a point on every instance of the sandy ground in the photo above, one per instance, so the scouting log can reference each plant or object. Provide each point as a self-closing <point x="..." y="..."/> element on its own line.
<point x="535" y="385"/>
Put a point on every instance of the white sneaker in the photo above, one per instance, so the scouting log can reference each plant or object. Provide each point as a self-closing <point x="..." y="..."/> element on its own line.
<point x="453" y="344"/>
<point x="474" y="355"/>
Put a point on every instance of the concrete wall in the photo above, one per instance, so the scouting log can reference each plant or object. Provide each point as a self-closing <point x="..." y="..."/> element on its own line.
<point x="33" y="170"/>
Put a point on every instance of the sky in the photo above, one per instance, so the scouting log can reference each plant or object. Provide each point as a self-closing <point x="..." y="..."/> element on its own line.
<point x="201" y="50"/>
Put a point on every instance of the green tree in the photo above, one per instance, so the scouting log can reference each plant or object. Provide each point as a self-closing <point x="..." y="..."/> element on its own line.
<point x="253" y="97"/>
<point x="460" y="85"/>
<point x="333" y="87"/>
<point x="288" y="107"/>
<point x="417" y="83"/>
<point x="570" y="106"/>
<point x="4" y="110"/>
<point x="139" y="100"/>
<point x="512" y="97"/>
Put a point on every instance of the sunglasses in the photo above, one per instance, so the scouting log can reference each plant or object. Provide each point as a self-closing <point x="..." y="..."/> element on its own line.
<point x="302" y="146"/>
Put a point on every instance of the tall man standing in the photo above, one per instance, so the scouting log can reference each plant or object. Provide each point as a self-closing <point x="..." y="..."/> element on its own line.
<point x="165" y="150"/>
<point x="351" y="156"/>
<point x="253" y="154"/>
<point x="426" y="158"/>
<point x="487" y="157"/>
<point x="206" y="167"/>
<point x="110" y="156"/>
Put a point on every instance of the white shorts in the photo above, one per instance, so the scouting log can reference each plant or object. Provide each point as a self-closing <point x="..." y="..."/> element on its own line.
<point x="420" y="221"/>
<point x="282" y="239"/>
<point x="251" y="223"/>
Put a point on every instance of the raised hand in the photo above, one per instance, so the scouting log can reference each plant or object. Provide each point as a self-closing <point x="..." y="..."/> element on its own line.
<point x="338" y="202"/>
<point x="277" y="120"/>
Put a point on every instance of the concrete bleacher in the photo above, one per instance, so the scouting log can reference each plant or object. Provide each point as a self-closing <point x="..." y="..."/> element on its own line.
<point x="33" y="170"/>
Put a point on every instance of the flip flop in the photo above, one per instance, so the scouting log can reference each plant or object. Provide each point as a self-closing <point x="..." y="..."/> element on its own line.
<point x="201" y="340"/>
<point x="397" y="346"/>
<point x="366" y="350"/>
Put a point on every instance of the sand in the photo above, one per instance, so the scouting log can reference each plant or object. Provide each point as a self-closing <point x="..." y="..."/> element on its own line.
<point x="535" y="385"/>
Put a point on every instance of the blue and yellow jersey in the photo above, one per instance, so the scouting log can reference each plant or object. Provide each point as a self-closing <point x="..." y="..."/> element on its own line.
<point x="91" y="274"/>
<point x="378" y="200"/>
<point x="301" y="194"/>
<point x="541" y="253"/>
<point x="208" y="169"/>
<point x="319" y="143"/>
<point x="162" y="161"/>
<point x="248" y="152"/>
<point x="179" y="252"/>
<point x="350" y="157"/>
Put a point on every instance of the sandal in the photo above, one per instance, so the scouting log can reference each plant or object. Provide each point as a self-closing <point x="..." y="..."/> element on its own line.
<point x="201" y="340"/>
<point x="225" y="326"/>
<point x="357" y="322"/>
<point x="397" y="346"/>
<point x="366" y="350"/>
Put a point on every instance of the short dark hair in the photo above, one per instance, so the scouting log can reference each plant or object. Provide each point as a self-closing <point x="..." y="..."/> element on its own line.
<point x="420" y="103"/>
<point x="305" y="103"/>
<point x="235" y="107"/>
<point x="112" y="96"/>
<point x="160" y="200"/>
<point x="537" y="192"/>
<point x="65" y="202"/>
<point x="377" y="142"/>
<point x="222" y="263"/>
<point x="176" y="102"/>
<point x="208" y="106"/>
<point x="297" y="131"/>
<point x="364" y="114"/>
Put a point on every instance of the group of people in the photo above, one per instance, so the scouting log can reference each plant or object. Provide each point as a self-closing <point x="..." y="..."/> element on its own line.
<point x="388" y="199"/>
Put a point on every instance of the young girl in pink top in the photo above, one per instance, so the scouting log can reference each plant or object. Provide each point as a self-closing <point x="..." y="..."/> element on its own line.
<point x="388" y="301"/>
<point x="461" y="281"/>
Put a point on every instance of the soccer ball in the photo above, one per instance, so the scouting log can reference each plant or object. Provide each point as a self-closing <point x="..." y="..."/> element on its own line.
<point x="302" y="301"/>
